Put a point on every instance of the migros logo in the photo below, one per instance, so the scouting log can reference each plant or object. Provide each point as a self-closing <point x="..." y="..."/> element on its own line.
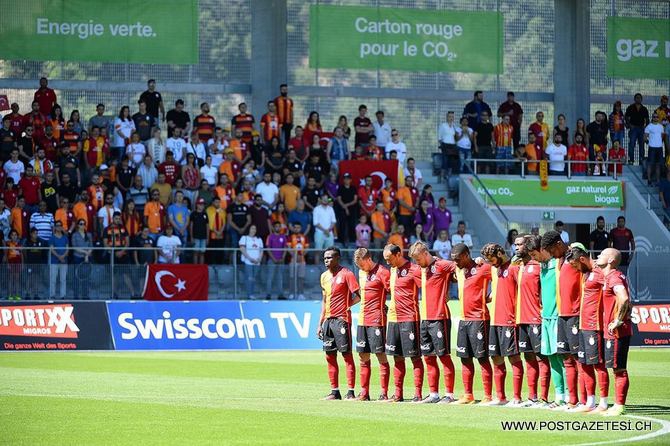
<point x="53" y="321"/>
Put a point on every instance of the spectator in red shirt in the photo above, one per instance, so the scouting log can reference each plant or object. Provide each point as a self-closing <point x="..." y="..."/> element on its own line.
<point x="298" y="144"/>
<point x="45" y="97"/>
<point x="616" y="153"/>
<point x="622" y="238"/>
<point x="16" y="120"/>
<point x="578" y="152"/>
<point x="169" y="168"/>
<point x="30" y="189"/>
<point x="37" y="120"/>
<point x="368" y="196"/>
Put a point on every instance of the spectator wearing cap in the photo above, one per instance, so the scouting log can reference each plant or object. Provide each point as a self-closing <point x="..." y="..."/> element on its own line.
<point x="276" y="244"/>
<point x="324" y="222"/>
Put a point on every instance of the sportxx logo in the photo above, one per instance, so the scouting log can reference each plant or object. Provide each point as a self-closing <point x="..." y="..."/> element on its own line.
<point x="53" y="321"/>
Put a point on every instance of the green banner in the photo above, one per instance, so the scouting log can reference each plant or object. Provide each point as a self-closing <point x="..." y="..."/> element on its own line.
<point x="150" y="31"/>
<point x="405" y="39"/>
<point x="638" y="48"/>
<point x="561" y="193"/>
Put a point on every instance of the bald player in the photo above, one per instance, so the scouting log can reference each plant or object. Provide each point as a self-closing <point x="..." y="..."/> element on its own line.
<point x="473" y="328"/>
<point x="373" y="280"/>
<point x="340" y="292"/>
<point x="402" y="334"/>
<point x="433" y="279"/>
<point x="590" y="328"/>
<point x="617" y="327"/>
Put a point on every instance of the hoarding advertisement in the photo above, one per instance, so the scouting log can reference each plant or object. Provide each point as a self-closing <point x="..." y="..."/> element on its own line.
<point x="651" y="325"/>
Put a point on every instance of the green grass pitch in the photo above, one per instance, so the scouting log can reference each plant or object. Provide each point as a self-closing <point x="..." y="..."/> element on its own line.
<point x="182" y="398"/>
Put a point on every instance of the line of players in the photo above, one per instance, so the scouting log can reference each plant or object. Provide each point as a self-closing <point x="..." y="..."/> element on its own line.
<point x="567" y="314"/>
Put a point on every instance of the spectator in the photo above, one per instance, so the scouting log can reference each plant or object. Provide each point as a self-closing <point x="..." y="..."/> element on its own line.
<point x="38" y="121"/>
<point x="156" y="146"/>
<point x="408" y="197"/>
<point x="597" y="131"/>
<point x="251" y="173"/>
<point x="510" y="247"/>
<point x="663" y="111"/>
<point x="216" y="216"/>
<point x="474" y="110"/>
<point x="251" y="247"/>
<point x="363" y="232"/>
<point x="178" y="215"/>
<point x="27" y="145"/>
<point x="375" y="153"/>
<point x="483" y="147"/>
<point x="42" y="221"/>
<point x="196" y="148"/>
<point x="540" y="129"/>
<point x="145" y="248"/>
<point x="177" y="118"/>
<point x="58" y="270"/>
<point x="83" y="210"/>
<point x="82" y="244"/>
<point x="125" y="176"/>
<point x="191" y="176"/>
<point x="35" y="254"/>
<point x="599" y="238"/>
<point x="123" y="128"/>
<point x="245" y="122"/>
<point x="168" y="246"/>
<point x="216" y="147"/>
<point x="298" y="243"/>
<point x="512" y="109"/>
<point x="154" y="214"/>
<point x="96" y="149"/>
<point x="268" y="191"/>
<point x="412" y="171"/>
<point x="65" y="216"/>
<point x="562" y="129"/>
<point x="229" y="167"/>
<point x="446" y="138"/>
<point x="617" y="123"/>
<point x="297" y="143"/>
<point x="442" y="246"/>
<point x="424" y="217"/>
<point x="14" y="258"/>
<point x="337" y="149"/>
<point x="363" y="127"/>
<point x="616" y="154"/>
<point x="77" y="125"/>
<point x="313" y="125"/>
<point x="147" y="172"/>
<point x="153" y="101"/>
<point x="170" y="169"/>
<point x="106" y="213"/>
<point x="5" y="220"/>
<point x="14" y="168"/>
<point x="637" y="118"/>
<point x="131" y="219"/>
<point x="301" y="217"/>
<point x="20" y="218"/>
<point x="560" y="228"/>
<point x="205" y="192"/>
<point x="367" y="196"/>
<point x="276" y="244"/>
<point x="45" y="97"/>
<point x="311" y="194"/>
<point x="144" y="122"/>
<point x="382" y="130"/>
<point x="556" y="154"/>
<point x="289" y="193"/>
<point x="381" y="226"/>
<point x="622" y="238"/>
<point x="176" y="146"/>
<point x="653" y="135"/>
<point x="204" y="124"/>
<point x="30" y="188"/>
<point x="208" y="172"/>
<point x="199" y="231"/>
<point x="442" y="216"/>
<point x="314" y="168"/>
<point x="324" y="224"/>
<point x="578" y="153"/>
<point x="398" y="146"/>
<point x="464" y="141"/>
<point x="347" y="208"/>
<point x="503" y="137"/>
<point x="17" y="120"/>
<point x="260" y="217"/>
<point x="225" y="191"/>
<point x="344" y="125"/>
<point x="8" y="139"/>
<point x="99" y="120"/>
<point x="461" y="236"/>
<point x="399" y="238"/>
<point x="270" y="127"/>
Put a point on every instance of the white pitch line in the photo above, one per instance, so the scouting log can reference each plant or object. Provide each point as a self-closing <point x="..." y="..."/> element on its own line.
<point x="665" y="429"/>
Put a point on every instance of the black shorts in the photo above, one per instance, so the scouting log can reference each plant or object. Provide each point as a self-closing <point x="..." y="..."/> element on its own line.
<point x="530" y="338"/>
<point x="402" y="339"/>
<point x="616" y="352"/>
<point x="655" y="155"/>
<point x="336" y="335"/>
<point x="568" y="335"/>
<point x="370" y="339"/>
<point x="472" y="339"/>
<point x="503" y="341"/>
<point x="590" y="347"/>
<point x="435" y="337"/>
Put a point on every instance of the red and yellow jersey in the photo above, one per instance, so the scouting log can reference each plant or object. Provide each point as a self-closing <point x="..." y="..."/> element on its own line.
<point x="337" y="292"/>
<point x="97" y="195"/>
<point x="434" y="282"/>
<point x="528" y="300"/>
<point x="388" y="198"/>
<point x="71" y="139"/>
<point x="20" y="221"/>
<point x="503" y="295"/>
<point x="473" y="284"/>
<point x="612" y="282"/>
<point x="269" y="126"/>
<point x="541" y="132"/>
<point x="374" y="286"/>
<point x="244" y="122"/>
<point x="226" y="194"/>
<point x="569" y="289"/>
<point x="284" y="109"/>
<point x="404" y="306"/>
<point x="368" y="198"/>
<point x="204" y="125"/>
<point x="591" y="306"/>
<point x="299" y="243"/>
<point x="503" y="134"/>
<point x="383" y="221"/>
<point x="66" y="217"/>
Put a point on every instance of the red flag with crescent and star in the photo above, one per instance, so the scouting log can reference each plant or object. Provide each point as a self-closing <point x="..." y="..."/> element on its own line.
<point x="176" y="282"/>
<point x="378" y="170"/>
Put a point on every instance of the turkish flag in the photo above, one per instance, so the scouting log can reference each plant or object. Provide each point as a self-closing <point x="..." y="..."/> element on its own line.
<point x="379" y="170"/>
<point x="176" y="282"/>
<point x="4" y="102"/>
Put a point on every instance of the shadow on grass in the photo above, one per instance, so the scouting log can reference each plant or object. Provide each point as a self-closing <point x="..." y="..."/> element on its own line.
<point x="647" y="409"/>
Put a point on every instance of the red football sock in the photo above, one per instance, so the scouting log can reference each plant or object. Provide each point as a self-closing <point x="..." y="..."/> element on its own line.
<point x="571" y="377"/>
<point x="589" y="374"/>
<point x="351" y="370"/>
<point x="418" y="376"/>
<point x="468" y="374"/>
<point x="333" y="370"/>
<point x="384" y="376"/>
<point x="365" y="377"/>
<point x="532" y="372"/>
<point x="487" y="376"/>
<point x="603" y="380"/>
<point x="433" y="374"/>
<point x="581" y="383"/>
<point x="517" y="379"/>
<point x="499" y="374"/>
<point x="621" y="384"/>
<point x="398" y="374"/>
<point x="449" y="372"/>
<point x="545" y="373"/>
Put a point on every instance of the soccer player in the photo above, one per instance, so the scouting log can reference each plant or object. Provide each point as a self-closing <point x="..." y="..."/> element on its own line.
<point x="340" y="292"/>
<point x="402" y="333"/>
<point x="503" y="333"/>
<point x="590" y="328"/>
<point x="473" y="328"/>
<point x="567" y="299"/>
<point x="529" y="323"/>
<point x="617" y="328"/>
<point x="373" y="280"/>
<point x="549" y="340"/>
<point x="434" y="278"/>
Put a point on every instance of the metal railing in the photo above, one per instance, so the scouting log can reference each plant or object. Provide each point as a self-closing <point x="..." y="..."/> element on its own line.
<point x="473" y="172"/>
<point x="521" y="166"/>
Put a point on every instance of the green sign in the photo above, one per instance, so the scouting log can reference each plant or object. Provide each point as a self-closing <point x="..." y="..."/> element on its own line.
<point x="638" y="48"/>
<point x="405" y="39"/>
<point x="561" y="193"/>
<point x="548" y="215"/>
<point x="150" y="31"/>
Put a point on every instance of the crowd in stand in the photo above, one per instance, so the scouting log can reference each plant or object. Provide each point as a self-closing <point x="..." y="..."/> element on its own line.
<point x="149" y="183"/>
